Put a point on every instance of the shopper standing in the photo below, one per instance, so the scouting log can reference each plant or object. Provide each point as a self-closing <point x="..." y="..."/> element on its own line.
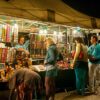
<point x="80" y="65"/>
<point x="51" y="68"/>
<point x="94" y="65"/>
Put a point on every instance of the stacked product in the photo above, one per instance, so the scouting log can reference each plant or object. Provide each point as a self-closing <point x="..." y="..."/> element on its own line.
<point x="8" y="33"/>
<point x="3" y="55"/>
<point x="38" y="47"/>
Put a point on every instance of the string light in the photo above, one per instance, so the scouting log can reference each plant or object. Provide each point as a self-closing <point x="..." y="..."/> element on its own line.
<point x="74" y="31"/>
<point x="55" y="33"/>
<point x="45" y="31"/>
<point x="16" y="26"/>
<point x="41" y="31"/>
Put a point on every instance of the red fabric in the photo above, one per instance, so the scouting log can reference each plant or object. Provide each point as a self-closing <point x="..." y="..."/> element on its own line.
<point x="80" y="55"/>
<point x="23" y="90"/>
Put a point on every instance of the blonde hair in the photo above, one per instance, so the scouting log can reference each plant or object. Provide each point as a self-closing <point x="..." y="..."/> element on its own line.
<point x="50" y="41"/>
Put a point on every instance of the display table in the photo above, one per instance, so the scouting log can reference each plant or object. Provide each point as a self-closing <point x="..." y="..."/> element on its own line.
<point x="4" y="85"/>
<point x="37" y="61"/>
<point x="65" y="78"/>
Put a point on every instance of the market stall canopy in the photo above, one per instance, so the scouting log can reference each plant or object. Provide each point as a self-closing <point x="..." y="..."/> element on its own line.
<point x="47" y="10"/>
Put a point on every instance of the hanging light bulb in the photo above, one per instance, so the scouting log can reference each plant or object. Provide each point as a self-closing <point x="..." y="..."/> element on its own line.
<point x="74" y="31"/>
<point x="55" y="33"/>
<point x="78" y="27"/>
<point x="15" y="25"/>
<point x="41" y="32"/>
<point x="97" y="34"/>
<point x="60" y="33"/>
<point x="45" y="31"/>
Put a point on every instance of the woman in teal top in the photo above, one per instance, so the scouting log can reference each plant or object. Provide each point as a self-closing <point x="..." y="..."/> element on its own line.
<point x="51" y="68"/>
<point x="80" y="65"/>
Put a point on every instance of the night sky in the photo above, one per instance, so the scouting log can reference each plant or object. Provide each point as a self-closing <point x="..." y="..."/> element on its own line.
<point x="89" y="7"/>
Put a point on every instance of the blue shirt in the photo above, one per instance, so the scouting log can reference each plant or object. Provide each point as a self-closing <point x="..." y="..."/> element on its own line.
<point x="95" y="52"/>
<point x="24" y="46"/>
<point x="51" y="57"/>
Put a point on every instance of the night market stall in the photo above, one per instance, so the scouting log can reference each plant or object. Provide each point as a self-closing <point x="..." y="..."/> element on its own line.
<point x="11" y="28"/>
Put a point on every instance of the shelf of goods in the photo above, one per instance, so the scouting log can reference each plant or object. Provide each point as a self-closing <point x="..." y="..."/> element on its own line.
<point x="7" y="54"/>
<point x="38" y="45"/>
<point x="8" y="35"/>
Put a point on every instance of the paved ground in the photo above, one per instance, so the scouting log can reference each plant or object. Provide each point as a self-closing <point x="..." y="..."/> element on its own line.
<point x="73" y="96"/>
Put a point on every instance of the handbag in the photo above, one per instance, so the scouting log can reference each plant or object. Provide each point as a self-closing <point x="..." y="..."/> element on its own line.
<point x="81" y="54"/>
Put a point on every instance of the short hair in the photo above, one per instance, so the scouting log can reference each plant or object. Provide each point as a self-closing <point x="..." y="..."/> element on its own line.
<point x="50" y="41"/>
<point x="79" y="39"/>
<point x="20" y="38"/>
<point x="94" y="36"/>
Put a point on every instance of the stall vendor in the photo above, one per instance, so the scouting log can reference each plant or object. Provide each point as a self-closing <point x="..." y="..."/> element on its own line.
<point x="22" y="46"/>
<point x="22" y="53"/>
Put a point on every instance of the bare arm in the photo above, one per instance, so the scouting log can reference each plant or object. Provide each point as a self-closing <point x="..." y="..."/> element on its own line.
<point x="23" y="50"/>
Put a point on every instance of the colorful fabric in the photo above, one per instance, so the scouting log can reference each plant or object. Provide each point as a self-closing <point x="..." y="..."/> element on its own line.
<point x="23" y="92"/>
